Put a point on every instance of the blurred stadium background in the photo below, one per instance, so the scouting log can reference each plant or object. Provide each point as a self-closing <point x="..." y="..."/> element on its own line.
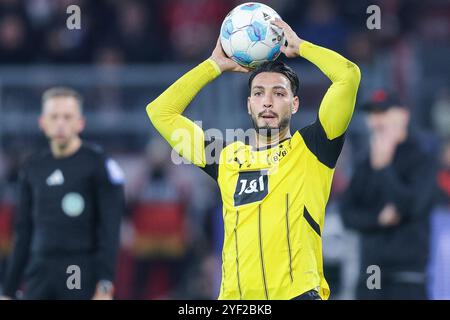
<point x="127" y="52"/>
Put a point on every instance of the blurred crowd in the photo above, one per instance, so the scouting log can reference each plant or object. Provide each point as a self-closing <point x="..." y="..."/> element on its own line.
<point x="177" y="255"/>
<point x="139" y="31"/>
<point x="411" y="44"/>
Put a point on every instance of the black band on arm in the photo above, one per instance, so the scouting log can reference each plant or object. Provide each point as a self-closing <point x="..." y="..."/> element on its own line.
<point x="327" y="151"/>
<point x="213" y="149"/>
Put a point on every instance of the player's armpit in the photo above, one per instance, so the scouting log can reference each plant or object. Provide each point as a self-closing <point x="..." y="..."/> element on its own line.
<point x="337" y="106"/>
<point x="165" y="112"/>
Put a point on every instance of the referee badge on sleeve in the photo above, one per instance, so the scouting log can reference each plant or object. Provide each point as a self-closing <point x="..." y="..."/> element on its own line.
<point x="115" y="173"/>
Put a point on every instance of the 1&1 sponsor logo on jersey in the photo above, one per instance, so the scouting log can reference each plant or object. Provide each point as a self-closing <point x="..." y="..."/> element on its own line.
<point x="251" y="186"/>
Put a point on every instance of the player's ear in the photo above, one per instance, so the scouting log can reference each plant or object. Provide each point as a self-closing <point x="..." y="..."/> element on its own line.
<point x="295" y="105"/>
<point x="249" y="110"/>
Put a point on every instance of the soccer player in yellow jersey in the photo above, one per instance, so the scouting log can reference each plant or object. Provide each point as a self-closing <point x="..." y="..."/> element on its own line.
<point x="275" y="190"/>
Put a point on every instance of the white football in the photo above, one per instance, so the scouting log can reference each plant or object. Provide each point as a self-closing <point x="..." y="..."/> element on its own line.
<point x="247" y="36"/>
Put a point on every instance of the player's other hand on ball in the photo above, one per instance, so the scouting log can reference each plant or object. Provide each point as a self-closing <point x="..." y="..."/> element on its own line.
<point x="225" y="63"/>
<point x="291" y="50"/>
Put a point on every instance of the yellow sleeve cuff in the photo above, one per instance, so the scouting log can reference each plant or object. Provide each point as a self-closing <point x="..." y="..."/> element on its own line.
<point x="216" y="69"/>
<point x="303" y="48"/>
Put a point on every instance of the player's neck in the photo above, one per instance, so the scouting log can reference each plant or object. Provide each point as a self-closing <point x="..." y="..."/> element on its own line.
<point x="263" y="141"/>
<point x="59" y="151"/>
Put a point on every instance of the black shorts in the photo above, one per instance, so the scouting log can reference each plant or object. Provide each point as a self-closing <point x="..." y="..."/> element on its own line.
<point x="57" y="277"/>
<point x="308" y="295"/>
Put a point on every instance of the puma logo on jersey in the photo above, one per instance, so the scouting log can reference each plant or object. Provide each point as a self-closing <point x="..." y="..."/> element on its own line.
<point x="251" y="186"/>
<point x="56" y="178"/>
<point x="243" y="158"/>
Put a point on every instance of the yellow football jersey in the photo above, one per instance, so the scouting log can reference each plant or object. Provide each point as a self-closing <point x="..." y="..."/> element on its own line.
<point x="273" y="210"/>
<point x="274" y="198"/>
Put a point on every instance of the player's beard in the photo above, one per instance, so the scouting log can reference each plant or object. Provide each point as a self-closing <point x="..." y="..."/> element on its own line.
<point x="268" y="131"/>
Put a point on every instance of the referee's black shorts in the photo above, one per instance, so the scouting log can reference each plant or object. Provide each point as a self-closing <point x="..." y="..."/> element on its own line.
<point x="48" y="277"/>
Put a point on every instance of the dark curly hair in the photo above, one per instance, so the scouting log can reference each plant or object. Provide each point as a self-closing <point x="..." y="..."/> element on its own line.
<point x="278" y="67"/>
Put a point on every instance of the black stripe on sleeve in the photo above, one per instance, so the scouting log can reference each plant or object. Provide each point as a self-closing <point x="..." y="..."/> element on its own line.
<point x="213" y="149"/>
<point x="311" y="221"/>
<point x="327" y="151"/>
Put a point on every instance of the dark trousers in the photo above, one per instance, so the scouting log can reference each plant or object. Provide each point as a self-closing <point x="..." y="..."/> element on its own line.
<point x="392" y="289"/>
<point x="53" y="278"/>
<point x="144" y="271"/>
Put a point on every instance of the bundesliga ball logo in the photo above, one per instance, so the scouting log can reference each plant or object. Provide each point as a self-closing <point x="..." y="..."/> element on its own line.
<point x="248" y="37"/>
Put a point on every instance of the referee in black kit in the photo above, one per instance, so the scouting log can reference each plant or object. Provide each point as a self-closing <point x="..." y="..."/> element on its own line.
<point x="70" y="205"/>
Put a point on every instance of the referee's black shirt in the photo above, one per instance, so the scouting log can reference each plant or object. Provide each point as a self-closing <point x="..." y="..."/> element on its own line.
<point x="67" y="206"/>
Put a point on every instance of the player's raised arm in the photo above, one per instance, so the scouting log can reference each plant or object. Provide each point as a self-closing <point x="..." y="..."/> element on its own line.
<point x="338" y="103"/>
<point x="165" y="112"/>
